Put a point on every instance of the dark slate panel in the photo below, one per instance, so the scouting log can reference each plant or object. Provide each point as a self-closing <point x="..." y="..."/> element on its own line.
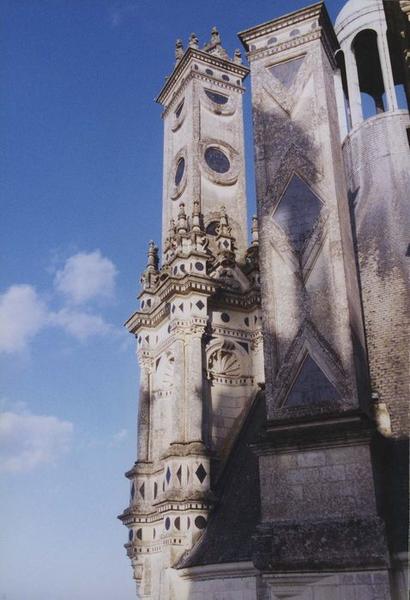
<point x="311" y="386"/>
<point x="297" y="212"/>
<point x="232" y="523"/>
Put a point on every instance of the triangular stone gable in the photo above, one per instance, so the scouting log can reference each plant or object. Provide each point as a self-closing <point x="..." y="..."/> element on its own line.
<point x="287" y="71"/>
<point x="311" y="386"/>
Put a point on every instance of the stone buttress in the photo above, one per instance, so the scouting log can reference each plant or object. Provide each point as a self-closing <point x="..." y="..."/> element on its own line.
<point x="319" y="495"/>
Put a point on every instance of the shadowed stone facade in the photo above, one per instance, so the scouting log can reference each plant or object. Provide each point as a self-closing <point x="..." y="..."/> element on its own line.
<point x="273" y="410"/>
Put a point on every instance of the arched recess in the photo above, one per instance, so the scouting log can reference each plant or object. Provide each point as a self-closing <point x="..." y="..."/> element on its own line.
<point x="398" y="70"/>
<point x="369" y="72"/>
<point x="164" y="372"/>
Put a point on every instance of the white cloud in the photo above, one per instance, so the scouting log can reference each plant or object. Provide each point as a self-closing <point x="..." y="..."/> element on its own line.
<point x="28" y="441"/>
<point x="86" y="276"/>
<point x="22" y="315"/>
<point x="80" y="325"/>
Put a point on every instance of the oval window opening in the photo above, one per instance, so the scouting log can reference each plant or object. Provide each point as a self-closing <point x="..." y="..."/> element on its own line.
<point x="217" y="160"/>
<point x="200" y="522"/>
<point x="179" y="171"/>
<point x="217" y="98"/>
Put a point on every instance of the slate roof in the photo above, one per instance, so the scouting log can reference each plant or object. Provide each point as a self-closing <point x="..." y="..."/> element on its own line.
<point x="228" y="536"/>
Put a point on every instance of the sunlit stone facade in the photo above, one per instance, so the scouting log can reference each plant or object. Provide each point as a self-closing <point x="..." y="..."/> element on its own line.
<point x="272" y="424"/>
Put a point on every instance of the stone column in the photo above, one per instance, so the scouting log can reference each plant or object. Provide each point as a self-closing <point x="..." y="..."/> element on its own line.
<point x="387" y="73"/>
<point x="144" y="410"/>
<point x="194" y="385"/>
<point x="353" y="86"/>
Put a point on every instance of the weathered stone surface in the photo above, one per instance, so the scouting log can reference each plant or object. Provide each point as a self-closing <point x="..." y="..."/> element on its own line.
<point x="225" y="503"/>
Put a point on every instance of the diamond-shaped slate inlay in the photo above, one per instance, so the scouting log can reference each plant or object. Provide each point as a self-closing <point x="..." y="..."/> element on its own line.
<point x="297" y="212"/>
<point x="179" y="474"/>
<point x="200" y="304"/>
<point x="311" y="386"/>
<point x="168" y="475"/>
<point x="286" y="71"/>
<point x="200" y="473"/>
<point x="142" y="490"/>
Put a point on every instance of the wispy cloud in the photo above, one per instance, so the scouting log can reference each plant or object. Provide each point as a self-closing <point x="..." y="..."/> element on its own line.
<point x="29" y="441"/>
<point x="80" y="325"/>
<point x="121" y="11"/>
<point x="86" y="276"/>
<point x="22" y="315"/>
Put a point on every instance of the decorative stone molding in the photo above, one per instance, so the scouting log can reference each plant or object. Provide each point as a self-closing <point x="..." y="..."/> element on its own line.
<point x="177" y="189"/>
<point x="231" y="176"/>
<point x="227" y="109"/>
<point x="179" y="118"/>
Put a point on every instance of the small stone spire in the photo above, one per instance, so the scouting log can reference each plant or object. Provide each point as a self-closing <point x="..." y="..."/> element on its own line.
<point x="224" y="228"/>
<point x="255" y="231"/>
<point x="150" y="275"/>
<point x="179" y="50"/>
<point x="237" y="57"/>
<point x="196" y="218"/>
<point x="171" y="229"/>
<point x="182" y="220"/>
<point x="153" y="260"/>
<point x="193" y="41"/>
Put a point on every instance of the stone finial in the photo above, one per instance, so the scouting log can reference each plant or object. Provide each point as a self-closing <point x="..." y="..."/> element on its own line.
<point x="193" y="41"/>
<point x="255" y="231"/>
<point x="237" y="57"/>
<point x="214" y="45"/>
<point x="182" y="220"/>
<point x="215" y="37"/>
<point x="179" y="50"/>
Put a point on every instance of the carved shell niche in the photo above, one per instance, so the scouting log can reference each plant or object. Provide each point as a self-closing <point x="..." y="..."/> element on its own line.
<point x="224" y="362"/>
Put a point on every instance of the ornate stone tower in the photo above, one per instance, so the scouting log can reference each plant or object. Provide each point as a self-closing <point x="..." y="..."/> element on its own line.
<point x="203" y="137"/>
<point x="198" y="328"/>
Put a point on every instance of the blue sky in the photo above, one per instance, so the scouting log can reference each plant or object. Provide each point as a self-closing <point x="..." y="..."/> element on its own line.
<point x="80" y="188"/>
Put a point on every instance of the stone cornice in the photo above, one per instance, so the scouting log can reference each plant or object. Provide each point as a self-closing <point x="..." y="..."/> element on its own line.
<point x="330" y="431"/>
<point x="292" y="18"/>
<point x="185" y="285"/>
<point x="204" y="57"/>
<point x="201" y="77"/>
<point x="325" y="32"/>
<point x="219" y="571"/>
